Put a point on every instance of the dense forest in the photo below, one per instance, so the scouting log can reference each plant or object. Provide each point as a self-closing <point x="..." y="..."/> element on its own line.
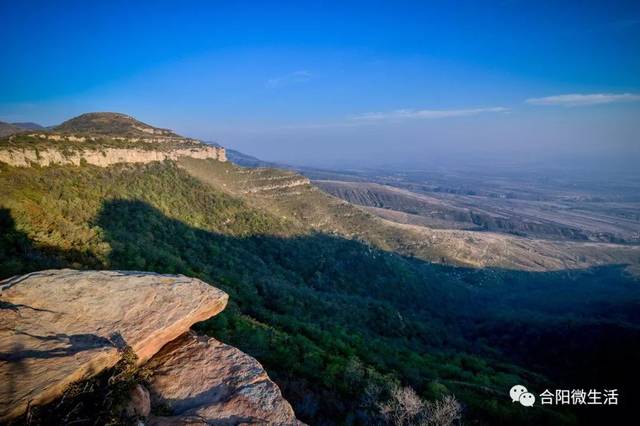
<point x="337" y="323"/>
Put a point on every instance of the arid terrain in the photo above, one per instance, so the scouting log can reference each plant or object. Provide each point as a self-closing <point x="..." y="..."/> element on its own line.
<point x="541" y="204"/>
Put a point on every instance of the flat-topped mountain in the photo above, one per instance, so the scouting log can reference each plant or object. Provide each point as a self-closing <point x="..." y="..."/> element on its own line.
<point x="100" y="139"/>
<point x="111" y="123"/>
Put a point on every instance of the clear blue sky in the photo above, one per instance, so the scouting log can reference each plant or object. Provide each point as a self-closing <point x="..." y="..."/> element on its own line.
<point x="323" y="82"/>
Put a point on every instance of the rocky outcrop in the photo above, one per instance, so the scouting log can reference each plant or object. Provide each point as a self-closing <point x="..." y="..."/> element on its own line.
<point x="279" y="183"/>
<point x="61" y="326"/>
<point x="70" y="137"/>
<point x="26" y="157"/>
<point x="261" y="182"/>
<point x="139" y="402"/>
<point x="100" y="139"/>
<point x="204" y="381"/>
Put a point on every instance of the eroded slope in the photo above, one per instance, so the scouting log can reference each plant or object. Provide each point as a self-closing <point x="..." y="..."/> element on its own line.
<point x="292" y="197"/>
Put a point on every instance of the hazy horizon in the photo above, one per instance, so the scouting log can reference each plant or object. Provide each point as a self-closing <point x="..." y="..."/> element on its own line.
<point x="359" y="84"/>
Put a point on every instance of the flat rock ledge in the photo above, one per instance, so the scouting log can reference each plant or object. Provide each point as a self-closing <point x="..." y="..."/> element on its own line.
<point x="61" y="326"/>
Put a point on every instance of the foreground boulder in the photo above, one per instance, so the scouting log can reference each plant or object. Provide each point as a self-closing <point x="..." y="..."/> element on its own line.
<point x="203" y="381"/>
<point x="60" y="326"/>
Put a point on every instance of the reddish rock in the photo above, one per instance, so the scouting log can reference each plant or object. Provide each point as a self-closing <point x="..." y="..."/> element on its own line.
<point x="204" y="381"/>
<point x="139" y="402"/>
<point x="60" y="326"/>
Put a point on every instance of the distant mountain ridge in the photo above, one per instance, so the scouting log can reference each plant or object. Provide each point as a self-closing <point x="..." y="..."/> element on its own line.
<point x="7" y="129"/>
<point x="28" y="125"/>
<point x="111" y="123"/>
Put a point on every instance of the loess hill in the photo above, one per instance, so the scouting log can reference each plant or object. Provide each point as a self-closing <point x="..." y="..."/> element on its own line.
<point x="338" y="305"/>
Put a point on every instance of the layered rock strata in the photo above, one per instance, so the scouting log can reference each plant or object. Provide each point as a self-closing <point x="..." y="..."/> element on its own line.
<point x="26" y="157"/>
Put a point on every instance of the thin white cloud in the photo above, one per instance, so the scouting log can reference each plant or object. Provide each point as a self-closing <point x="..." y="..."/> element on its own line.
<point x="424" y="114"/>
<point x="295" y="77"/>
<point x="576" y="99"/>
<point x="375" y="118"/>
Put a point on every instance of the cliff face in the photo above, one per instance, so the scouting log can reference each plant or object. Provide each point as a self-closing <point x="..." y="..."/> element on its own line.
<point x="61" y="326"/>
<point x="51" y="149"/>
<point x="100" y="139"/>
<point x="25" y="157"/>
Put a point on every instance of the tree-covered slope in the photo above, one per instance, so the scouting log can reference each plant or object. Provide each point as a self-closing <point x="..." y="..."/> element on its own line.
<point x="288" y="194"/>
<point x="110" y="123"/>
<point x="336" y="322"/>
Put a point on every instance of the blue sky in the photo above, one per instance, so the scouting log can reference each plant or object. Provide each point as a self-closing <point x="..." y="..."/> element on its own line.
<point x="328" y="82"/>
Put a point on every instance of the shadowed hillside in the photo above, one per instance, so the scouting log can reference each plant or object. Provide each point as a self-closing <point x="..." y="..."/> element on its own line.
<point x="331" y="317"/>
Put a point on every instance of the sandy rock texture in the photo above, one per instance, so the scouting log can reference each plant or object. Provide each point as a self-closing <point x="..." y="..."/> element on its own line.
<point x="60" y="326"/>
<point x="24" y="157"/>
<point x="139" y="402"/>
<point x="204" y="381"/>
